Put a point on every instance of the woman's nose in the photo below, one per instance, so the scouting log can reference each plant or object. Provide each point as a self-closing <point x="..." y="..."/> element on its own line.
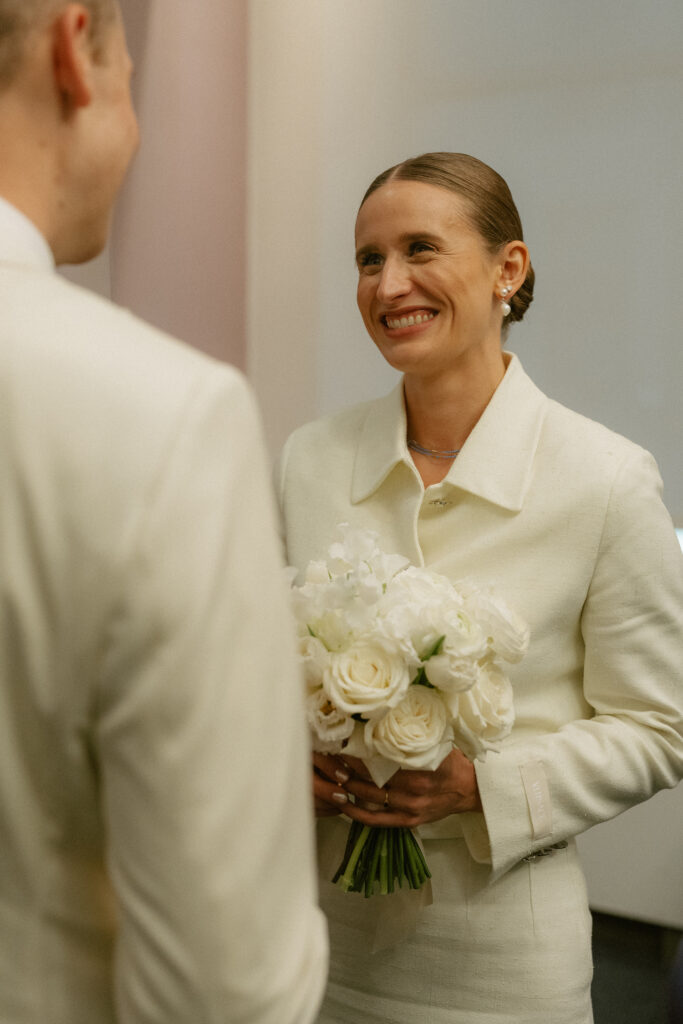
<point x="394" y="280"/>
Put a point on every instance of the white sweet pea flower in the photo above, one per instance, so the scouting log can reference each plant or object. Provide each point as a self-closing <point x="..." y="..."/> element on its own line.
<point x="359" y="552"/>
<point x="317" y="572"/>
<point x="414" y="734"/>
<point x="483" y="715"/>
<point x="367" y="678"/>
<point x="330" y="726"/>
<point x="355" y="548"/>
<point x="331" y="629"/>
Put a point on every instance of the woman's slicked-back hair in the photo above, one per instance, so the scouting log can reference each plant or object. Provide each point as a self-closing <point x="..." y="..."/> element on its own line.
<point x="19" y="17"/>
<point x="491" y="206"/>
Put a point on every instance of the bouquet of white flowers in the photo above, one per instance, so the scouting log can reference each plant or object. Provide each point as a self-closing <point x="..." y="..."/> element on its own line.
<point x="400" y="667"/>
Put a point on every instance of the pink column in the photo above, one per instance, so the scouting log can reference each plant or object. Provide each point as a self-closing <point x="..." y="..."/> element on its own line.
<point x="178" y="245"/>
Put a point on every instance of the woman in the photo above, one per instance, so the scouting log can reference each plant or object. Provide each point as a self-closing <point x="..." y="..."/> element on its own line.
<point x="467" y="468"/>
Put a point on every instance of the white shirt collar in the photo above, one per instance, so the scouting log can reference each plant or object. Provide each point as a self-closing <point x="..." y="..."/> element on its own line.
<point x="496" y="460"/>
<point x="20" y="240"/>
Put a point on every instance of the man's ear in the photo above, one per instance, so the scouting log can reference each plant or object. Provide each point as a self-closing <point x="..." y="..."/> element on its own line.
<point x="72" y="55"/>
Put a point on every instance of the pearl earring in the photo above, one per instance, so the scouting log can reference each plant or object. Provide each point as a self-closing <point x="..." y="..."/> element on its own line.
<point x="505" y="306"/>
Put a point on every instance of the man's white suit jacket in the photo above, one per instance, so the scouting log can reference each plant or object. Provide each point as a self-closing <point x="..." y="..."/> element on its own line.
<point x="156" y="856"/>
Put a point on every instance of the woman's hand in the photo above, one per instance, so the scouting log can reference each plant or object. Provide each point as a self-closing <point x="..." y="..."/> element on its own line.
<point x="410" y="798"/>
<point x="329" y="775"/>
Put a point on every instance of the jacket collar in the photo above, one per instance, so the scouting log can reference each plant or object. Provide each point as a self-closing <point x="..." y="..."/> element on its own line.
<point x="496" y="460"/>
<point x="21" y="243"/>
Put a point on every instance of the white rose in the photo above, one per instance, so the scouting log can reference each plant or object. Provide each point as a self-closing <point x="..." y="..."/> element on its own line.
<point x="329" y="725"/>
<point x="367" y="678"/>
<point x="414" y="734"/>
<point x="483" y="715"/>
<point x="507" y="631"/>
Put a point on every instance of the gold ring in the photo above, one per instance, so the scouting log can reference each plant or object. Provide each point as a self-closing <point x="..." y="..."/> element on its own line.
<point x="386" y="799"/>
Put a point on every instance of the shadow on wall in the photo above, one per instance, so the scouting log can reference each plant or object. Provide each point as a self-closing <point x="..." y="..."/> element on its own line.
<point x="136" y="18"/>
<point x="179" y="233"/>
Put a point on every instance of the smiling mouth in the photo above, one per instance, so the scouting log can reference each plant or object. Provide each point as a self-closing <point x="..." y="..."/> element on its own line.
<point x="407" y="320"/>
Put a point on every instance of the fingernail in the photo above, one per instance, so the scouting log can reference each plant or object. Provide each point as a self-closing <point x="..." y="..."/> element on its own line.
<point x="342" y="776"/>
<point x="341" y="798"/>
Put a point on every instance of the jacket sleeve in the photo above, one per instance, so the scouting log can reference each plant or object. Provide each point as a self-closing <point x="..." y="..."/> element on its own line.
<point x="201" y="743"/>
<point x="549" y="788"/>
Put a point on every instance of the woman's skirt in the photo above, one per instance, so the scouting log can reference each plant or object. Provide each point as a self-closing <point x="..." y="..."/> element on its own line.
<point x="516" y="951"/>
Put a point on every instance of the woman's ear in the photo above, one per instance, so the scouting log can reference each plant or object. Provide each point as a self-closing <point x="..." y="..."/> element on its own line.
<point x="72" y="55"/>
<point x="514" y="265"/>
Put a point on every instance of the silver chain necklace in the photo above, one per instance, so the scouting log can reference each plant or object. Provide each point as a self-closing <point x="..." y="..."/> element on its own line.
<point x="434" y="453"/>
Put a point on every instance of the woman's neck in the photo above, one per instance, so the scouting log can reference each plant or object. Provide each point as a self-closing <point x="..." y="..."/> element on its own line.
<point x="442" y="412"/>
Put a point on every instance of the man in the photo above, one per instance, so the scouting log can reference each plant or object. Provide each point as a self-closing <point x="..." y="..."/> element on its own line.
<point x="155" y="850"/>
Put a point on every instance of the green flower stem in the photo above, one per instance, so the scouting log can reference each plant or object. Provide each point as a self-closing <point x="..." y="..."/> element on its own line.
<point x="400" y="859"/>
<point x="376" y="858"/>
<point x="412" y="866"/>
<point x="391" y="858"/>
<point x="371" y="875"/>
<point x="383" y="866"/>
<point x="423" y="863"/>
<point x="351" y="839"/>
<point x="346" y="880"/>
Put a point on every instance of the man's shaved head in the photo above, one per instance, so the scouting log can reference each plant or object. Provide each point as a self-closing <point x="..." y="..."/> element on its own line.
<point x="18" y="19"/>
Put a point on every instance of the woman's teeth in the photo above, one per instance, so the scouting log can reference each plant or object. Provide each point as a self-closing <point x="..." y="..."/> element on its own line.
<point x="408" y="321"/>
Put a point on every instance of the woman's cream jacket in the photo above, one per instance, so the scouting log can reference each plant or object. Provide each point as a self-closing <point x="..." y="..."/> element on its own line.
<point x="565" y="520"/>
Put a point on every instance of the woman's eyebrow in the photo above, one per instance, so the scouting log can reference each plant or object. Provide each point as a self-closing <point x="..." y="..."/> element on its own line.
<point x="420" y="236"/>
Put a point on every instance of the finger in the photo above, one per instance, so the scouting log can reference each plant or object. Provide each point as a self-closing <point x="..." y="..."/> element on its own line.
<point x="367" y="791"/>
<point x="325" y="810"/>
<point x="328" y="795"/>
<point x="380" y="819"/>
<point x="357" y="766"/>
<point x="330" y="766"/>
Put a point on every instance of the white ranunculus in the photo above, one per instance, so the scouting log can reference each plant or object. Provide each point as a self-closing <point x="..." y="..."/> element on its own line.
<point x="367" y="678"/>
<point x="420" y="607"/>
<point x="483" y="715"/>
<point x="329" y="725"/>
<point x="450" y="672"/>
<point x="414" y="734"/>
<point x="508" y="632"/>
<point x="415" y="606"/>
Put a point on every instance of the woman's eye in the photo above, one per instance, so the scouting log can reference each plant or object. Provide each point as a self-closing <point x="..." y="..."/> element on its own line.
<point x="420" y="248"/>
<point x="369" y="259"/>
